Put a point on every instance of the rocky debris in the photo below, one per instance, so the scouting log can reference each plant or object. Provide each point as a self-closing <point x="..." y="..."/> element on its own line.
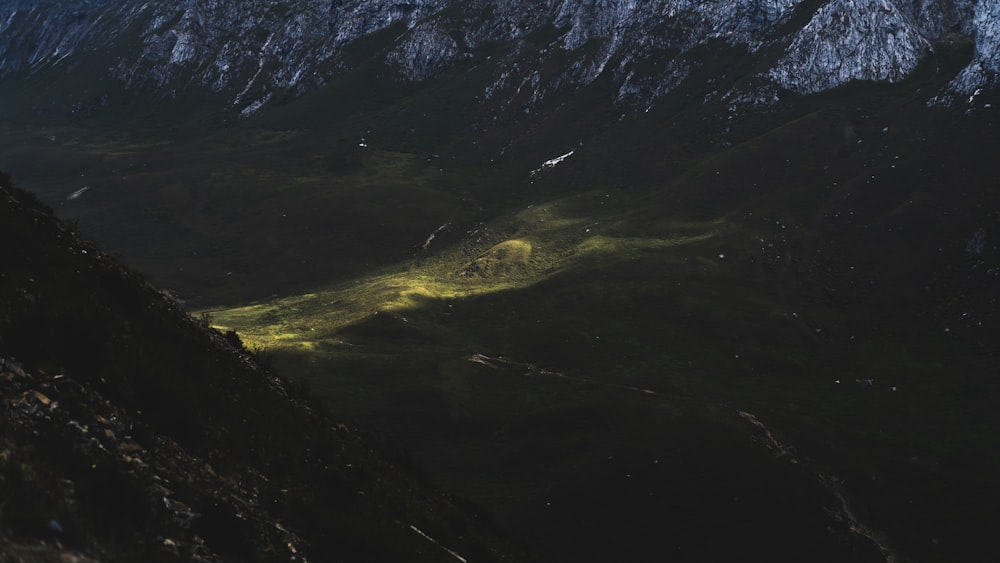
<point x="39" y="552"/>
<point x="57" y="430"/>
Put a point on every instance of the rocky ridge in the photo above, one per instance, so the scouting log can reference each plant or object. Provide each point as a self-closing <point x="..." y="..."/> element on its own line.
<point x="825" y="53"/>
<point x="984" y="70"/>
<point x="253" y="52"/>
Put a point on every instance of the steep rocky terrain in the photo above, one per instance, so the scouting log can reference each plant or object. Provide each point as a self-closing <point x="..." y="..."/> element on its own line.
<point x="131" y="431"/>
<point x="985" y="66"/>
<point x="258" y="52"/>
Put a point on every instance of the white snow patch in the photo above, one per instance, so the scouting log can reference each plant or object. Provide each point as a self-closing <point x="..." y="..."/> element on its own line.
<point x="430" y="239"/>
<point x="552" y="162"/>
<point x="77" y="193"/>
<point x="10" y="18"/>
<point x="254" y="106"/>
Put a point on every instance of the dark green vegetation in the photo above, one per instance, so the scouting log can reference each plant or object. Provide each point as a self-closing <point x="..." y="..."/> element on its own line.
<point x="131" y="431"/>
<point x="619" y="357"/>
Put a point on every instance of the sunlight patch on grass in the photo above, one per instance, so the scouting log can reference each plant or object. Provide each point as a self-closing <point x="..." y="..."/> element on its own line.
<point x="542" y="240"/>
<point x="291" y="322"/>
<point x="251" y="138"/>
<point x="504" y="259"/>
<point x="118" y="147"/>
<point x="637" y="245"/>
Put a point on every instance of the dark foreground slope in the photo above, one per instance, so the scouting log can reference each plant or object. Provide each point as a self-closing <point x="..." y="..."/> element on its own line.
<point x="131" y="432"/>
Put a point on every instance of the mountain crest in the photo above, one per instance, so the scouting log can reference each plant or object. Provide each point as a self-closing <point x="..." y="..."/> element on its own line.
<point x="253" y="52"/>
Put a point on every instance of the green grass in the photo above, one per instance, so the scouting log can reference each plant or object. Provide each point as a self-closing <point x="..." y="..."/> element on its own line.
<point x="513" y="252"/>
<point x="633" y="299"/>
<point x="753" y="281"/>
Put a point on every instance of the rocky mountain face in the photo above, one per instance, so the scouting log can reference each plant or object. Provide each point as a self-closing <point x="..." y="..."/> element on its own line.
<point x="253" y="52"/>
<point x="985" y="67"/>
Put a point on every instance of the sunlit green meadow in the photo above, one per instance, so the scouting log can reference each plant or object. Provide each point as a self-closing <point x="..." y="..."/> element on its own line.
<point x="543" y="240"/>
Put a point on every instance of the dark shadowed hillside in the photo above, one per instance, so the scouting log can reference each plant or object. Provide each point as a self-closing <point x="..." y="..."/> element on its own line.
<point x="132" y="432"/>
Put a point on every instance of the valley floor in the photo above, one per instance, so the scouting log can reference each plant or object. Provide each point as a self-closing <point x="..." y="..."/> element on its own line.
<point x="784" y="347"/>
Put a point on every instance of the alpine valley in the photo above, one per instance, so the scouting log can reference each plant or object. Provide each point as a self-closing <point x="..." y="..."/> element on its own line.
<point x="564" y="280"/>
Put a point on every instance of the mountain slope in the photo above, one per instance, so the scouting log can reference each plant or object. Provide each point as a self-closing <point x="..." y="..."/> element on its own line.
<point x="131" y="431"/>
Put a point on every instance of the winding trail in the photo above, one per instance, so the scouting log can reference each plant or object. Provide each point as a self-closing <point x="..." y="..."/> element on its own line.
<point x="437" y="543"/>
<point x="843" y="511"/>
<point x="834" y="485"/>
<point x="532" y="369"/>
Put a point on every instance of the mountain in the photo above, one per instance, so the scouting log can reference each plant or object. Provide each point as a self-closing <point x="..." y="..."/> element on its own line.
<point x="131" y="431"/>
<point x="262" y="51"/>
<point x="694" y="281"/>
